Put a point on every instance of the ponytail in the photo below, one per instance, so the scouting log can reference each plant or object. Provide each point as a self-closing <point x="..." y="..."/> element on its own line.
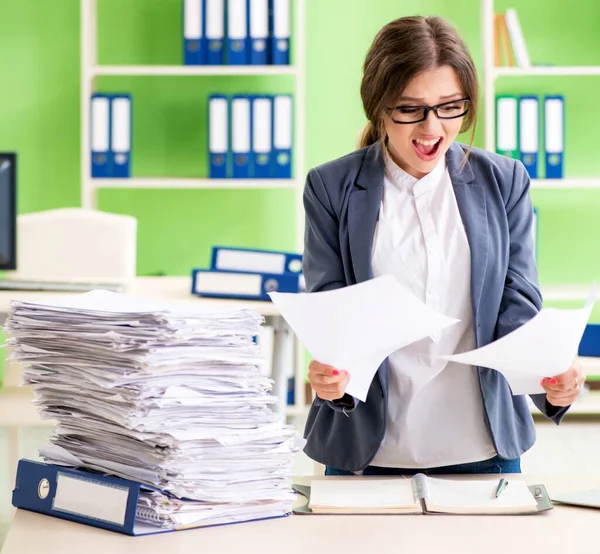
<point x="369" y="135"/>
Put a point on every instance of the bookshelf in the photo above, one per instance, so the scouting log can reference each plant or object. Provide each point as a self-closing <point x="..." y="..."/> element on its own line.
<point x="90" y="70"/>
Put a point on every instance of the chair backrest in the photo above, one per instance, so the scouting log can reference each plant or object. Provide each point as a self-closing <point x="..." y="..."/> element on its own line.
<point x="76" y="245"/>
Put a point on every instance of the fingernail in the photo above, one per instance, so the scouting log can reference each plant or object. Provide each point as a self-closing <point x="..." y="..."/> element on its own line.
<point x="553" y="381"/>
<point x="543" y="381"/>
<point x="335" y="372"/>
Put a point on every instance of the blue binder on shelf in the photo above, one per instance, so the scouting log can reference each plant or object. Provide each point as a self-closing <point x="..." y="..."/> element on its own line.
<point x="280" y="32"/>
<point x="259" y="32"/>
<point x="100" y="135"/>
<point x="529" y="130"/>
<point x="86" y="497"/>
<point x="120" y="143"/>
<point x="282" y="136"/>
<point x="590" y="341"/>
<point x="218" y="136"/>
<point x="227" y="258"/>
<point x="238" y="30"/>
<point x="215" y="31"/>
<point x="194" y="43"/>
<point x="554" y="121"/>
<point x="262" y="136"/>
<point x="242" y="285"/>
<point x="241" y="127"/>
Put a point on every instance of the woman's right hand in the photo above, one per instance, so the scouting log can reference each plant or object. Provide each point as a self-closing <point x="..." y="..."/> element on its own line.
<point x="328" y="382"/>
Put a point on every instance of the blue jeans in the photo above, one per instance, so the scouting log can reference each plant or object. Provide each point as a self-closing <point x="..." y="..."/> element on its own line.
<point x="493" y="465"/>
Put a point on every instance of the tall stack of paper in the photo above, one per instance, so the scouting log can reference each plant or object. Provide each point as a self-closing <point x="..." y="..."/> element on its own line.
<point x="163" y="394"/>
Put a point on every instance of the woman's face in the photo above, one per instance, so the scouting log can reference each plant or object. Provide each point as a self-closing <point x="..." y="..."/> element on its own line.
<point x="418" y="147"/>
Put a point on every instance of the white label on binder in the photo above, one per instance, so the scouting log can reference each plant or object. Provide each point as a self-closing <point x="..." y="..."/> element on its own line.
<point x="260" y="262"/>
<point x="237" y="18"/>
<point x="218" y="125"/>
<point x="507" y="124"/>
<point x="281" y="18"/>
<point x="240" y="110"/>
<point x="82" y="497"/>
<point x="262" y="125"/>
<point x="215" y="19"/>
<point x="283" y="122"/>
<point x="100" y="124"/>
<point x="228" y="283"/>
<point x="529" y="125"/>
<point x="192" y="19"/>
<point x="259" y="18"/>
<point x="121" y="123"/>
<point x="554" y="125"/>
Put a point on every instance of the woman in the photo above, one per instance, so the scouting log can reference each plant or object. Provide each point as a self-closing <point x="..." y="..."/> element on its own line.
<point x="453" y="224"/>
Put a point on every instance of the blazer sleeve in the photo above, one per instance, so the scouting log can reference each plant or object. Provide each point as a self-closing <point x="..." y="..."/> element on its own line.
<point x="322" y="264"/>
<point x="522" y="299"/>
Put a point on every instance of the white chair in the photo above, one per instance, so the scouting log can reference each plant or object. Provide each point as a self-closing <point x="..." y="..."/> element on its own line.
<point x="76" y="245"/>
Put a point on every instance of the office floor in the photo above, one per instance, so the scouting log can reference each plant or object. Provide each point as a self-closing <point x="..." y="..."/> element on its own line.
<point x="571" y="447"/>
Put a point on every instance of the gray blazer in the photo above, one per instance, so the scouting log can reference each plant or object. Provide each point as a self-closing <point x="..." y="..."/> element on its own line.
<point x="342" y="200"/>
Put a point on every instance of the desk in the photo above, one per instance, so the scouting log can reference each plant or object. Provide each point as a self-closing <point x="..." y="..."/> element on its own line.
<point x="564" y="530"/>
<point x="286" y="350"/>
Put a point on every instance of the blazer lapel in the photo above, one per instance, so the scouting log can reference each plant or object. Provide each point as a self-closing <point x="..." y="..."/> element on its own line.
<point x="471" y="200"/>
<point x="363" y="209"/>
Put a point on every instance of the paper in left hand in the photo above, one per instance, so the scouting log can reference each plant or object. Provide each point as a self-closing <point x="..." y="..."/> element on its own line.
<point x="356" y="327"/>
<point x="545" y="346"/>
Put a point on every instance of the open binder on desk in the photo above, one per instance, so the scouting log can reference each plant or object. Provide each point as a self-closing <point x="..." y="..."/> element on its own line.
<point x="420" y="495"/>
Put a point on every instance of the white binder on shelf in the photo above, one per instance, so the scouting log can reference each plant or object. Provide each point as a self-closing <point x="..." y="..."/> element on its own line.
<point x="240" y="136"/>
<point x="529" y="128"/>
<point x="507" y="126"/>
<point x="262" y="136"/>
<point x="259" y="32"/>
<point x="554" y="122"/>
<point x="193" y="41"/>
<point x="215" y="31"/>
<point x="280" y="34"/>
<point x="100" y="135"/>
<point x="121" y="135"/>
<point x="516" y="38"/>
<point x="218" y="136"/>
<point x="238" y="43"/>
<point x="282" y="136"/>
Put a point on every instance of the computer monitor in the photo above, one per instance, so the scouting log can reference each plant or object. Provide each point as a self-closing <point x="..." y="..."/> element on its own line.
<point x="8" y="210"/>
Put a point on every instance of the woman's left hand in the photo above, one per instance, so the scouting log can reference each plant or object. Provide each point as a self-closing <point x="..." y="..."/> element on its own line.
<point x="563" y="389"/>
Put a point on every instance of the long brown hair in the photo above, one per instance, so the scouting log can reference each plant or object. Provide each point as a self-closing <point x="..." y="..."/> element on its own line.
<point x="403" y="49"/>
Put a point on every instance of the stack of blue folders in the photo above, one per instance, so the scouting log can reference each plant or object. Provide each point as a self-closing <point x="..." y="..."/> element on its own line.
<point x="164" y="420"/>
<point x="250" y="136"/>
<point x="236" y="32"/>
<point x="248" y="274"/>
<point x="110" y="135"/>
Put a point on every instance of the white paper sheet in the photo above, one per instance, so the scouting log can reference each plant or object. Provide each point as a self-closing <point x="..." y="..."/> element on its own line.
<point x="356" y="327"/>
<point x="545" y="346"/>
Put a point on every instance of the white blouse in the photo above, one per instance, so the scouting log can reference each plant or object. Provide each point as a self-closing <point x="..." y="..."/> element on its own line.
<point x="435" y="411"/>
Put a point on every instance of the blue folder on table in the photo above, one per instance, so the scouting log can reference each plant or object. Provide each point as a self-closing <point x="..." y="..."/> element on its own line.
<point x="227" y="258"/>
<point x="85" y="497"/>
<point x="242" y="285"/>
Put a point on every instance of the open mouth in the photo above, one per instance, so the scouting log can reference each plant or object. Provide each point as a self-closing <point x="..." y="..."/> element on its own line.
<point x="427" y="150"/>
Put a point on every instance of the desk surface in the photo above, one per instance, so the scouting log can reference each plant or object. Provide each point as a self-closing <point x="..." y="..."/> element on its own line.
<point x="156" y="288"/>
<point x="563" y="529"/>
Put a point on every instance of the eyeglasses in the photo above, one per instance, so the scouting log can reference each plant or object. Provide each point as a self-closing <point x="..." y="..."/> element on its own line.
<point x="415" y="114"/>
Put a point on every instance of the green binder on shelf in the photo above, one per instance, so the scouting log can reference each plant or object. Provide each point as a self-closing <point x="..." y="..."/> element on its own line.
<point x="507" y="125"/>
